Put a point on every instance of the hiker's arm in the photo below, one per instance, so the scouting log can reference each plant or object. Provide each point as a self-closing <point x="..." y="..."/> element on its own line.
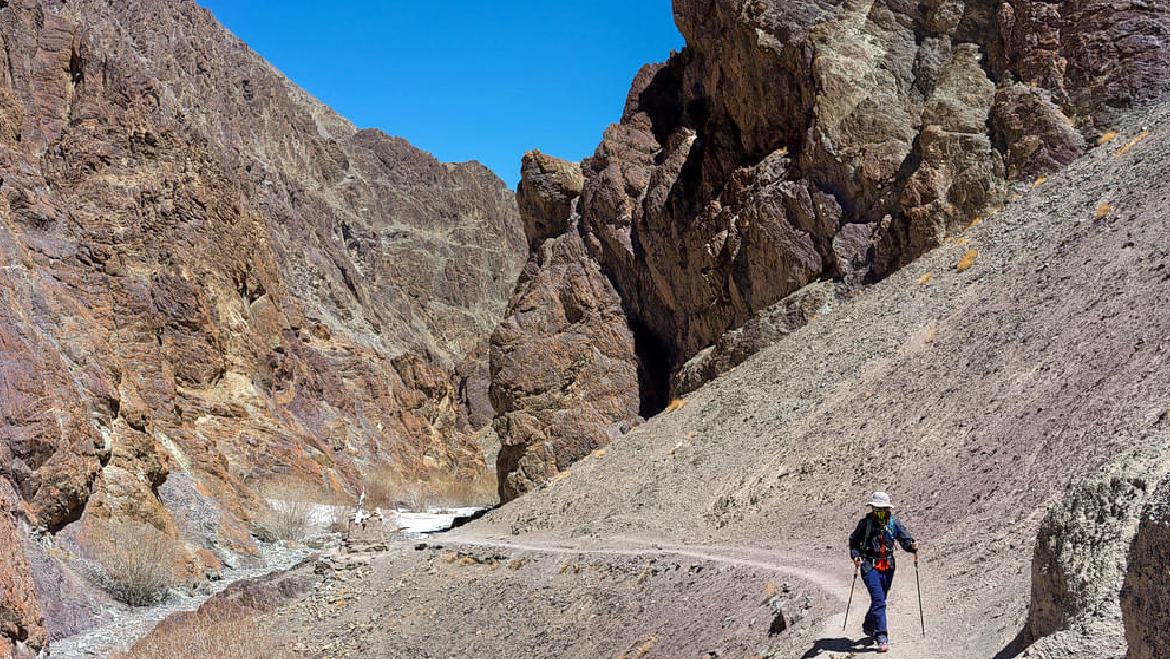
<point x="906" y="540"/>
<point x="855" y="540"/>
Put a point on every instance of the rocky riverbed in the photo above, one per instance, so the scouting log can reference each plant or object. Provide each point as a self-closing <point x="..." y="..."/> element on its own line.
<point x="127" y="624"/>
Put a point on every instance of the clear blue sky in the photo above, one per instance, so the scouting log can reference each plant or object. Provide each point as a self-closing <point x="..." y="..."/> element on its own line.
<point x="480" y="80"/>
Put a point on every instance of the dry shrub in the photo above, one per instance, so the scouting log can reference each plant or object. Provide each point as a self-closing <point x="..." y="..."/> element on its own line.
<point x="1132" y="143"/>
<point x="641" y="650"/>
<point x="1106" y="138"/>
<point x="386" y="486"/>
<point x="925" y="279"/>
<point x="1103" y="211"/>
<point x="679" y="403"/>
<point x="291" y="505"/>
<point x="138" y="562"/>
<point x="1039" y="181"/>
<point x="967" y="261"/>
<point x="221" y="636"/>
<point x="770" y="590"/>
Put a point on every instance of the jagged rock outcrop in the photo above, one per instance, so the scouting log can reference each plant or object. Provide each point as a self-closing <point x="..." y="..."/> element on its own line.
<point x="1080" y="563"/>
<point x="792" y="142"/>
<point x="1145" y="599"/>
<point x="208" y="273"/>
<point x="761" y="331"/>
<point x="564" y="367"/>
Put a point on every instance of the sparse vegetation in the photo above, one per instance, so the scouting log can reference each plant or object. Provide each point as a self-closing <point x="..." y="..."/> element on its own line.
<point x="1039" y="181"/>
<point x="291" y="504"/>
<point x="386" y="487"/>
<point x="925" y="279"/>
<point x="1132" y="143"/>
<point x="1103" y="211"/>
<point x="967" y="261"/>
<point x="1106" y="138"/>
<point x="770" y="590"/>
<point x="640" y="650"/>
<point x="678" y="403"/>
<point x="225" y="635"/>
<point x="137" y="561"/>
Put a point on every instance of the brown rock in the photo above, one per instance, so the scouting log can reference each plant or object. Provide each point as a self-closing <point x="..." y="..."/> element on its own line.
<point x="762" y="330"/>
<point x="211" y="278"/>
<point x="1040" y="138"/>
<point x="797" y="141"/>
<point x="1095" y="56"/>
<point x="564" y="370"/>
<point x="1145" y="598"/>
<point x="547" y="189"/>
<point x="22" y="626"/>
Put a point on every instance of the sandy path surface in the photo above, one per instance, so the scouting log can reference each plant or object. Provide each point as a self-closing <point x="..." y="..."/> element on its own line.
<point x="836" y="639"/>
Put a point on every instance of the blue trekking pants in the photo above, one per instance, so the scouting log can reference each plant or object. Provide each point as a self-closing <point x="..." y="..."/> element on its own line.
<point x="877" y="582"/>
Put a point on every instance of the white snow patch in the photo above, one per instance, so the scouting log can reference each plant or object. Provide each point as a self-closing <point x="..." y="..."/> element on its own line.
<point x="433" y="521"/>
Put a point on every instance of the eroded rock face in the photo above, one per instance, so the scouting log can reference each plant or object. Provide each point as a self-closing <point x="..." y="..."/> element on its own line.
<point x="208" y="273"/>
<point x="792" y="142"/>
<point x="1080" y="561"/>
<point x="762" y="330"/>
<point x="564" y="367"/>
<point x="1145" y="599"/>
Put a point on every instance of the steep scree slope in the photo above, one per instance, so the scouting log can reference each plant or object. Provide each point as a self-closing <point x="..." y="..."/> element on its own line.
<point x="208" y="277"/>
<point x="792" y="142"/>
<point x="974" y="396"/>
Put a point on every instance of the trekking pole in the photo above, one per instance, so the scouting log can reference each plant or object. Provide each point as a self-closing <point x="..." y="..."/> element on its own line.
<point x="918" y="579"/>
<point x="850" y="603"/>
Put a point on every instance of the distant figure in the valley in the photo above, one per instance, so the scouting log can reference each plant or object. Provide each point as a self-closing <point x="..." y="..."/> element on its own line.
<point x="872" y="547"/>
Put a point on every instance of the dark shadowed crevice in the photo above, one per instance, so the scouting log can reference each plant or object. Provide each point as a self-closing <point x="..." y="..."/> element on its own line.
<point x="76" y="65"/>
<point x="654" y="361"/>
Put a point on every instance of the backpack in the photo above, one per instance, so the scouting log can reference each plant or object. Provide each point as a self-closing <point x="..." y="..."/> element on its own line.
<point x="879" y="562"/>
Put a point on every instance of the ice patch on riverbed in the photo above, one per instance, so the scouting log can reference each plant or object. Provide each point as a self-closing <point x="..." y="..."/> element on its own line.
<point x="420" y="524"/>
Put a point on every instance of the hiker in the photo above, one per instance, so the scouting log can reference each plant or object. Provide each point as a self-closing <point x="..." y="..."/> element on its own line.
<point x="872" y="547"/>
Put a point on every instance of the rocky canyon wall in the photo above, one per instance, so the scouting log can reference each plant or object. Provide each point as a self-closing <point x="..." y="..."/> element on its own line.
<point x="210" y="279"/>
<point x="793" y="144"/>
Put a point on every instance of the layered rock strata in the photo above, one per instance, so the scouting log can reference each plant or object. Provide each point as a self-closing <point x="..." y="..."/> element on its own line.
<point x="797" y="142"/>
<point x="210" y="279"/>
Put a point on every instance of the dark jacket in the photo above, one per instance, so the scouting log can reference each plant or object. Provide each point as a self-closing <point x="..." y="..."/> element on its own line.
<point x="868" y="549"/>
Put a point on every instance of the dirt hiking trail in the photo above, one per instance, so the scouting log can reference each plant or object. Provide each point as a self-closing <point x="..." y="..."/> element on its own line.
<point x="832" y="577"/>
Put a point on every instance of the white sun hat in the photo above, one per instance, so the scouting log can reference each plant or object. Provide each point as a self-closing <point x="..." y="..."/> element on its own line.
<point x="880" y="500"/>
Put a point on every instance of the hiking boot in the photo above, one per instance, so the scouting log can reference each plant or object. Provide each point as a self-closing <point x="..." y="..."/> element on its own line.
<point x="883" y="643"/>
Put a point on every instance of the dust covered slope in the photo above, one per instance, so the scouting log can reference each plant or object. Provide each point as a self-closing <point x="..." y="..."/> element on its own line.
<point x="973" y="396"/>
